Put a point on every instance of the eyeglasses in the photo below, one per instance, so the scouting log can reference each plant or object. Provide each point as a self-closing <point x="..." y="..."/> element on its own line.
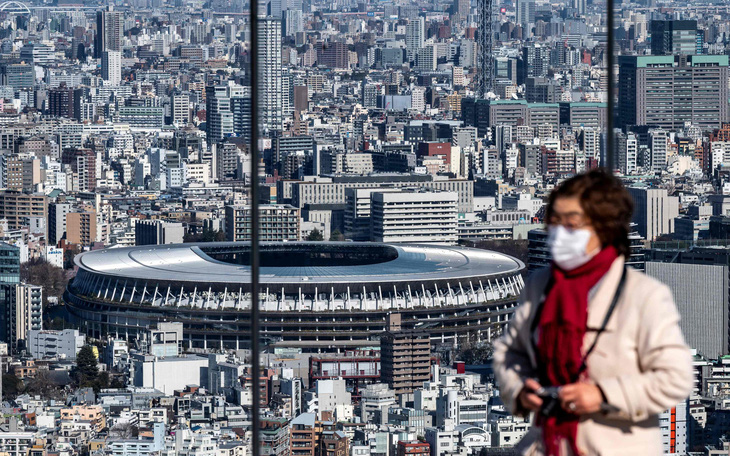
<point x="570" y="220"/>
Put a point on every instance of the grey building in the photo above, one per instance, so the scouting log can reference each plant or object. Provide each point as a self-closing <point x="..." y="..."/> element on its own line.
<point x="277" y="222"/>
<point x="9" y="279"/>
<point x="28" y="313"/>
<point x="51" y="344"/>
<point x="701" y="294"/>
<point x="669" y="37"/>
<point x="57" y="221"/>
<point x="332" y="190"/>
<point x="667" y="91"/>
<point x="155" y="232"/>
<point x="654" y="211"/>
<point x="542" y="90"/>
<point x="270" y="85"/>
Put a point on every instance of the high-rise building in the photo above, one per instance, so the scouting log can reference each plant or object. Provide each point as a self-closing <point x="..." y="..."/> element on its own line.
<point x="415" y="37"/>
<point x="669" y="91"/>
<point x="462" y="7"/>
<point x="109" y="30"/>
<point x="414" y="216"/>
<point x="111" y="67"/>
<point x="277" y="222"/>
<point x="83" y="164"/>
<point x="18" y="75"/>
<point x="28" y="314"/>
<point x="405" y="356"/>
<point x="699" y="285"/>
<point x="671" y="37"/>
<point x="334" y="54"/>
<point x="57" y="221"/>
<point x="293" y="22"/>
<point x="9" y="279"/>
<point x="17" y="207"/>
<point x="270" y="71"/>
<point x="81" y="227"/>
<point x="654" y="211"/>
<point x="659" y="148"/>
<point x="426" y="58"/>
<point x="525" y="13"/>
<point x="60" y="101"/>
<point x="579" y="6"/>
<point x="180" y="108"/>
<point x="156" y="232"/>
<point x="219" y="118"/>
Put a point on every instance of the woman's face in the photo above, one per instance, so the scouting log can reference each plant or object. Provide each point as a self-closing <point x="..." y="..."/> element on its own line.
<point x="568" y="212"/>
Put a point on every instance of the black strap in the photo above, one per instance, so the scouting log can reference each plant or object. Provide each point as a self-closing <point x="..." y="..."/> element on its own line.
<point x="609" y="312"/>
<point x="617" y="294"/>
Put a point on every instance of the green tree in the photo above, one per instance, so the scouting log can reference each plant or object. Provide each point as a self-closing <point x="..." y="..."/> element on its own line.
<point x="315" y="235"/>
<point x="87" y="366"/>
<point x="337" y="236"/>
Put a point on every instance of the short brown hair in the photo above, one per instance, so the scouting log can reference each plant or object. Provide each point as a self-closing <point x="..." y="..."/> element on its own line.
<point x="605" y="201"/>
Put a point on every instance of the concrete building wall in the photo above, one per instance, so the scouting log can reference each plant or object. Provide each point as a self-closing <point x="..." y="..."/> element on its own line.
<point x="701" y="295"/>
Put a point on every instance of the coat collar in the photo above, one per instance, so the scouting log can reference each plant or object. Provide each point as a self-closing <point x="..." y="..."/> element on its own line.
<point x="598" y="306"/>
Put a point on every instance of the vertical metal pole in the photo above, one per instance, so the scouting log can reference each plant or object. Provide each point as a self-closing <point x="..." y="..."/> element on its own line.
<point x="255" y="362"/>
<point x="610" y="138"/>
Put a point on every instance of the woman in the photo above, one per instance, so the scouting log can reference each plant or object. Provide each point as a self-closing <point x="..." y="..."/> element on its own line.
<point x="605" y="336"/>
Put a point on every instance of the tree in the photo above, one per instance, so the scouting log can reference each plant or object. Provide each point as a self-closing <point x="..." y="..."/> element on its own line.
<point x="11" y="385"/>
<point x="205" y="236"/>
<point x="337" y="236"/>
<point x="42" y="385"/>
<point x="42" y="273"/>
<point x="315" y="235"/>
<point x="87" y="366"/>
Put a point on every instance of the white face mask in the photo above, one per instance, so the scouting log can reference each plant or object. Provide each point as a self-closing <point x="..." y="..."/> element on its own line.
<point x="568" y="247"/>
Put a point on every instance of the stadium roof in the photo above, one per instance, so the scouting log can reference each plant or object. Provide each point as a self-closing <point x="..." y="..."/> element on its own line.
<point x="299" y="263"/>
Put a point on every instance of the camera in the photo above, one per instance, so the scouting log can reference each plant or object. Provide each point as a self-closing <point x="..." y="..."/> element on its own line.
<point x="550" y="400"/>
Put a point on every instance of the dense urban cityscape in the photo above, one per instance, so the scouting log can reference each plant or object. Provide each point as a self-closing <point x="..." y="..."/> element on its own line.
<point x="405" y="153"/>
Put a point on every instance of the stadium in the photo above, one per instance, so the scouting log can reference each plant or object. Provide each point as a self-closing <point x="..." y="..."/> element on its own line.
<point x="314" y="296"/>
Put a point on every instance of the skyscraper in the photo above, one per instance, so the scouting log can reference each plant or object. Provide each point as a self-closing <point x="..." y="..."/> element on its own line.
<point x="270" y="71"/>
<point x="673" y="37"/>
<point x="9" y="278"/>
<point x="654" y="211"/>
<point x="461" y="7"/>
<point x="525" y="13"/>
<point x="180" y="108"/>
<point x="109" y="29"/>
<point x="219" y="118"/>
<point x="111" y="67"/>
<point x="667" y="91"/>
<point x="415" y="37"/>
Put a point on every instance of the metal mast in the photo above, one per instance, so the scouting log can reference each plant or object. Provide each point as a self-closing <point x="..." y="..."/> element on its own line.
<point x="485" y="81"/>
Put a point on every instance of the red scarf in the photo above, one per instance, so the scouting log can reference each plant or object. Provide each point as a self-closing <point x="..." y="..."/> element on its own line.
<point x="560" y="340"/>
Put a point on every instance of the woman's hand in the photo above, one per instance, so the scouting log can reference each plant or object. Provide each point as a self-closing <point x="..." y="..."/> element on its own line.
<point x="527" y="397"/>
<point x="581" y="398"/>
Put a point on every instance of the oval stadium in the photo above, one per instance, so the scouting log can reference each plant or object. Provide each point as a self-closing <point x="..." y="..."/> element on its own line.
<point x="316" y="296"/>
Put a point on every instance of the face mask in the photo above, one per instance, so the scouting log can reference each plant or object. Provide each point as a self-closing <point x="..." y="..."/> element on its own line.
<point x="568" y="247"/>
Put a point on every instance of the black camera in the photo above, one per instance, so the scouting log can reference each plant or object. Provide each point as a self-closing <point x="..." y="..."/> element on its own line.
<point x="550" y="400"/>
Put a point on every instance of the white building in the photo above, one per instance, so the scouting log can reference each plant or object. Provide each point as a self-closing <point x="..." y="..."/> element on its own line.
<point x="16" y="443"/>
<point x="111" y="67"/>
<point x="180" y="108"/>
<point x="51" y="344"/>
<point x="168" y="374"/>
<point x="374" y="402"/>
<point x="673" y="424"/>
<point x="414" y="216"/>
<point x="654" y="211"/>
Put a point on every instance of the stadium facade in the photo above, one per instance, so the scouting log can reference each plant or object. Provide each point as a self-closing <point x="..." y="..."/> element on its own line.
<point x="317" y="296"/>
